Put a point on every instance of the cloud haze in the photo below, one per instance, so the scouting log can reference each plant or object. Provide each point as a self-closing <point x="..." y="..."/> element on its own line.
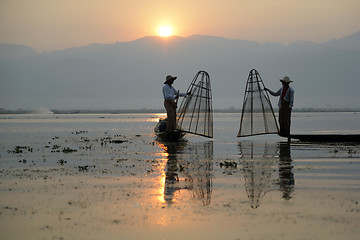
<point x="129" y="75"/>
<point x="60" y="24"/>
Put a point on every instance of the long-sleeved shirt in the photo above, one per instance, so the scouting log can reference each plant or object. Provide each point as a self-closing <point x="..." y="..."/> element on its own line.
<point x="170" y="92"/>
<point x="289" y="96"/>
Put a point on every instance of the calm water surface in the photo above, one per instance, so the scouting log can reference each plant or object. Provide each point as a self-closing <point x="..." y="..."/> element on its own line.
<point x="262" y="172"/>
<point x="331" y="160"/>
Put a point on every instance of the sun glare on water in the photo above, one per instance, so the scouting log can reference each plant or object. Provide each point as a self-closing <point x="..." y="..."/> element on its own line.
<point x="165" y="31"/>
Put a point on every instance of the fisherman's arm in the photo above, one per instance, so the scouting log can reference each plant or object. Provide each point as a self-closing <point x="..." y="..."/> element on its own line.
<point x="183" y="94"/>
<point x="273" y="93"/>
<point x="179" y="94"/>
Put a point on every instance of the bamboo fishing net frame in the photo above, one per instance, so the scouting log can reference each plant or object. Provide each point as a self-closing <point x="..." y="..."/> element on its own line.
<point x="196" y="115"/>
<point x="255" y="120"/>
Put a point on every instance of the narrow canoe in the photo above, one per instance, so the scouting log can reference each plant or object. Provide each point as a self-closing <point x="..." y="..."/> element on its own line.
<point x="327" y="137"/>
<point x="160" y="132"/>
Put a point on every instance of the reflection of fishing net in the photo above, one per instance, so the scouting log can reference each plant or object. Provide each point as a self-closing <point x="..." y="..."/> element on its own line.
<point x="258" y="164"/>
<point x="189" y="167"/>
<point x="195" y="114"/>
<point x="257" y="113"/>
<point x="197" y="168"/>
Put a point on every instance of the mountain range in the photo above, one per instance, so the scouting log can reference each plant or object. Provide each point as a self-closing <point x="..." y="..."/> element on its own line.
<point x="129" y="75"/>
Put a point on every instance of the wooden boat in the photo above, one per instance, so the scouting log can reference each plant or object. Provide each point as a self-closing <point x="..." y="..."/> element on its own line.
<point x="326" y="137"/>
<point x="160" y="132"/>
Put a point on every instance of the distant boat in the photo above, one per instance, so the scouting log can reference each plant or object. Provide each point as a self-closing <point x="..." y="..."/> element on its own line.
<point x="326" y="137"/>
<point x="195" y="114"/>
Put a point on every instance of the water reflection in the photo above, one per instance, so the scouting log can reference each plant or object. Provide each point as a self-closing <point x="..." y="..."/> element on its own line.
<point x="189" y="166"/>
<point x="286" y="176"/>
<point x="260" y="164"/>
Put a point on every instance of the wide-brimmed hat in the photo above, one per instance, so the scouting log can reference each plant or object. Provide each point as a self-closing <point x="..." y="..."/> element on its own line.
<point x="286" y="80"/>
<point x="169" y="78"/>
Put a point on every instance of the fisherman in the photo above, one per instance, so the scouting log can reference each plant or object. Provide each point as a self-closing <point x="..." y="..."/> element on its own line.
<point x="286" y="102"/>
<point x="170" y="94"/>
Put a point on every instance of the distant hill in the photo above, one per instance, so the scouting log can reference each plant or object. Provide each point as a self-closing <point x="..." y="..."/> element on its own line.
<point x="129" y="75"/>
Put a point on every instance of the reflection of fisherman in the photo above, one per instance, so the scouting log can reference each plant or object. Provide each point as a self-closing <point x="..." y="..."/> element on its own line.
<point x="286" y="176"/>
<point x="258" y="174"/>
<point x="170" y="94"/>
<point x="196" y="170"/>
<point x="285" y="104"/>
<point x="171" y="173"/>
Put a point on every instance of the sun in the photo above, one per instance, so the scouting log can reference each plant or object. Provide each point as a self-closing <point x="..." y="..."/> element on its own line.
<point x="165" y="31"/>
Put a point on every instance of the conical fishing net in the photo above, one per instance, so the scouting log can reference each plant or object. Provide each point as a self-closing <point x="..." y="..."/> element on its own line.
<point x="195" y="112"/>
<point x="257" y="113"/>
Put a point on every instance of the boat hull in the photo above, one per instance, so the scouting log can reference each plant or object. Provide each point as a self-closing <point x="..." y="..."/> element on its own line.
<point x="326" y="137"/>
<point x="160" y="132"/>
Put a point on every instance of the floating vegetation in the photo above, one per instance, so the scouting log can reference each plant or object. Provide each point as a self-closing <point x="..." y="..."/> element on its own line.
<point x="56" y="147"/>
<point x="85" y="168"/>
<point x="85" y="139"/>
<point x="62" y="162"/>
<point x="121" y="160"/>
<point x="79" y="132"/>
<point x="105" y="140"/>
<point x="227" y="164"/>
<point x="344" y="151"/>
<point x="118" y="141"/>
<point x="20" y="149"/>
<point x="86" y="147"/>
<point x="68" y="150"/>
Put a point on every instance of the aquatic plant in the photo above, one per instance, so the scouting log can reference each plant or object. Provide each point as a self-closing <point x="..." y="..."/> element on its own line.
<point x="68" y="150"/>
<point x="227" y="164"/>
<point x="20" y="149"/>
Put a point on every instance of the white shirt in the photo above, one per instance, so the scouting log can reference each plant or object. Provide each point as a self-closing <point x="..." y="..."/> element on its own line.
<point x="170" y="92"/>
<point x="289" y="96"/>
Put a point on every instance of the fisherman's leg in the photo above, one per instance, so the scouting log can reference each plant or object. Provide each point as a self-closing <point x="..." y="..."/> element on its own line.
<point x="172" y="118"/>
<point x="289" y="123"/>
<point x="287" y="120"/>
<point x="168" y="107"/>
<point x="281" y="122"/>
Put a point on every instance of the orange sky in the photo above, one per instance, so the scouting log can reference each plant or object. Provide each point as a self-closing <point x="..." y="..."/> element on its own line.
<point x="49" y="25"/>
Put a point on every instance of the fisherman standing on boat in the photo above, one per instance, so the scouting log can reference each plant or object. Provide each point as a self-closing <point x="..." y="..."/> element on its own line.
<point x="170" y="94"/>
<point x="286" y="102"/>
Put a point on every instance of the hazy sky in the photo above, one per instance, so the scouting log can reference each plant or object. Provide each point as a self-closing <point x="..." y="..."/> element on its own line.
<point x="47" y="25"/>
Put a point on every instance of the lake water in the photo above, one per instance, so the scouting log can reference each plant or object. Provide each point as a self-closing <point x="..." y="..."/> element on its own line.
<point x="87" y="176"/>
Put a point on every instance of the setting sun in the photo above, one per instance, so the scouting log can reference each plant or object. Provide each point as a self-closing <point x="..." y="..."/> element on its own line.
<point x="165" y="31"/>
